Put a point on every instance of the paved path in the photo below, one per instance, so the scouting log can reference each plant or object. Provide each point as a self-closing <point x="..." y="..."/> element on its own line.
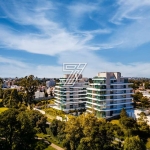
<point x="56" y="147"/>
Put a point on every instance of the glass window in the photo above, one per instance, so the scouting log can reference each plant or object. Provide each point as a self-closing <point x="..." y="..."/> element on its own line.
<point x="71" y="106"/>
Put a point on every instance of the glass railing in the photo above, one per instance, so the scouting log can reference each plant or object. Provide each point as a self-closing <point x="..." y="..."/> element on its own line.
<point x="89" y="105"/>
<point x="88" y="91"/>
<point x="89" y="100"/>
<point x="89" y="95"/>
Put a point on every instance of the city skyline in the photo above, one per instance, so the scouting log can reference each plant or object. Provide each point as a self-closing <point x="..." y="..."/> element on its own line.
<point x="38" y="37"/>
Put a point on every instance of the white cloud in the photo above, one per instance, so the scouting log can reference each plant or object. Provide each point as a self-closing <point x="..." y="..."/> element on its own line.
<point x="11" y="68"/>
<point x="12" y="62"/>
<point x="51" y="38"/>
<point x="97" y="64"/>
<point x="131" y="9"/>
<point x="133" y="23"/>
<point x="78" y="10"/>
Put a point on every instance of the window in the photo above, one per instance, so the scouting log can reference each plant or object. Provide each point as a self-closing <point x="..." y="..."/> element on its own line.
<point x="125" y="80"/>
<point x="111" y="92"/>
<point x="112" y="81"/>
<point x="111" y="86"/>
<point x="111" y="97"/>
<point x="71" y="106"/>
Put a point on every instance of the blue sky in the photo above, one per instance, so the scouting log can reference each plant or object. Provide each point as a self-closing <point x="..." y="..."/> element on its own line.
<point x="36" y="36"/>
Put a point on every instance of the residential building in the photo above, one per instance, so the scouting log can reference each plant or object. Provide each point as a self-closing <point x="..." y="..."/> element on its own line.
<point x="70" y="97"/>
<point x="8" y="83"/>
<point x="108" y="93"/>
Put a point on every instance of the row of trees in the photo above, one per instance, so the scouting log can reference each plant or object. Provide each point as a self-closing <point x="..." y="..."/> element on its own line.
<point x="13" y="98"/>
<point x="139" y="82"/>
<point x="88" y="132"/>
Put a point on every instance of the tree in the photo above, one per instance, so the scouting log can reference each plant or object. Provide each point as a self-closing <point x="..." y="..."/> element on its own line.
<point x="128" y="123"/>
<point x="57" y="128"/>
<point x="87" y="132"/>
<point x="142" y="119"/>
<point x="25" y="132"/>
<point x="137" y="96"/>
<point x="147" y="85"/>
<point x="6" y="97"/>
<point x="17" y="131"/>
<point x="56" y="80"/>
<point x="1" y="93"/>
<point x="144" y="129"/>
<point x="123" y="113"/>
<point x="30" y="87"/>
<point x="14" y="98"/>
<point x="144" y="102"/>
<point x="54" y="126"/>
<point x="8" y="123"/>
<point x="38" y="120"/>
<point x="41" y="145"/>
<point x="90" y="80"/>
<point x="74" y="133"/>
<point x="134" y="143"/>
<point x="1" y="82"/>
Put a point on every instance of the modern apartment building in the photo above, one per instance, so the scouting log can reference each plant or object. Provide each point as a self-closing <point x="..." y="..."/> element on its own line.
<point x="108" y="93"/>
<point x="70" y="97"/>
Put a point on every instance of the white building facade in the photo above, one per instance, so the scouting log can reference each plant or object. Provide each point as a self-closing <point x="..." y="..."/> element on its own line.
<point x="108" y="94"/>
<point x="70" y="97"/>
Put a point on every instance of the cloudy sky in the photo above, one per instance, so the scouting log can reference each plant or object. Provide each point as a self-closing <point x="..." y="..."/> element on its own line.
<point x="38" y="36"/>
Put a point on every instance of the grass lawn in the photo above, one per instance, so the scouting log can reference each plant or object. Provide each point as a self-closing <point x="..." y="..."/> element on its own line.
<point x="51" y="113"/>
<point x="50" y="148"/>
<point x="2" y="109"/>
<point x="51" y="117"/>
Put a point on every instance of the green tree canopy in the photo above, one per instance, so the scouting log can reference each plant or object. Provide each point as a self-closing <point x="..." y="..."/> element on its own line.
<point x="137" y="96"/>
<point x="145" y="102"/>
<point x="134" y="143"/>
<point x="88" y="132"/>
<point x="30" y="86"/>
<point x="123" y="113"/>
<point x="17" y="131"/>
<point x="1" y="82"/>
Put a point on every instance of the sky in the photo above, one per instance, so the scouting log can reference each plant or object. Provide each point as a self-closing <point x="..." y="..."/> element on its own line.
<point x="38" y="36"/>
